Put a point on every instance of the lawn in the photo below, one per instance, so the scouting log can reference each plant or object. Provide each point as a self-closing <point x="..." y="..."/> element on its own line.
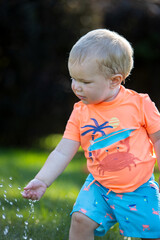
<point x="48" y="218"/>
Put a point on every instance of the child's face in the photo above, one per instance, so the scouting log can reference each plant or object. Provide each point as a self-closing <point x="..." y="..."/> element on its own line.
<point x="89" y="85"/>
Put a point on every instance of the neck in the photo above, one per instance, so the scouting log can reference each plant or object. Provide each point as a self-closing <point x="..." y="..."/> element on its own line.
<point x="115" y="93"/>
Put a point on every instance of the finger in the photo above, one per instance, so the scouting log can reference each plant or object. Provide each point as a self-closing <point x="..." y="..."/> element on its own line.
<point x="26" y="196"/>
<point x="29" y="186"/>
<point x="35" y="197"/>
<point x="25" y="193"/>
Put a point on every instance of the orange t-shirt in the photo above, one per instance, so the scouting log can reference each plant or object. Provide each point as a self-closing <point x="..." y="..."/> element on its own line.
<point x="114" y="137"/>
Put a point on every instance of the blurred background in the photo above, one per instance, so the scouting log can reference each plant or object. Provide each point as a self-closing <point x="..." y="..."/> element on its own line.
<point x="35" y="39"/>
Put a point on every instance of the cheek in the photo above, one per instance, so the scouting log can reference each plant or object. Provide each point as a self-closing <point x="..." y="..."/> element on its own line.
<point x="91" y="93"/>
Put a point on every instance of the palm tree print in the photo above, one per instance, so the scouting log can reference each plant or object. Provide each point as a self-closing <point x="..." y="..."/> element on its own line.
<point x="96" y="128"/>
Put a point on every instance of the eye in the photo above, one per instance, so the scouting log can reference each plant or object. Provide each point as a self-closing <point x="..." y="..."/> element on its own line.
<point x="82" y="81"/>
<point x="87" y="82"/>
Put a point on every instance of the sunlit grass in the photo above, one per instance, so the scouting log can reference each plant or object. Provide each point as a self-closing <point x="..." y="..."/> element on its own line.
<point x="51" y="216"/>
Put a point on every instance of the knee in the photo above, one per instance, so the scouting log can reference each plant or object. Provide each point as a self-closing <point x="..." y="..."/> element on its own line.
<point x="79" y="219"/>
<point x="82" y="227"/>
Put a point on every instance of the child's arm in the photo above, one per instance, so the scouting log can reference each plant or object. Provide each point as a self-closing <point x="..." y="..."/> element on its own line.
<point x="53" y="167"/>
<point x="155" y="138"/>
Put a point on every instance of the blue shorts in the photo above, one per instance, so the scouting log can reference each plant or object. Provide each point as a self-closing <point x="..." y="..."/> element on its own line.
<point x="138" y="212"/>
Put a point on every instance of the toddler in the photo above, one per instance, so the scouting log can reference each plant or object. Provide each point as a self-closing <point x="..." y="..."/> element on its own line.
<point x="117" y="129"/>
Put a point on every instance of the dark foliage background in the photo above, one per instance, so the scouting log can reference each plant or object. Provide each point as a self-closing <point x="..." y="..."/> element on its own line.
<point x="36" y="37"/>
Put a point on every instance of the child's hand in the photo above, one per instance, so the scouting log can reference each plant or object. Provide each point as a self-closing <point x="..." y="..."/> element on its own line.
<point x="34" y="190"/>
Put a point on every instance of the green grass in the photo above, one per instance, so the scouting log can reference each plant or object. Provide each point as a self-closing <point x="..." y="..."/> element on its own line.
<point x="50" y="218"/>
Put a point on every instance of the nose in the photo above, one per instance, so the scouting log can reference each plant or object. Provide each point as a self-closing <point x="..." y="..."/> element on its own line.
<point x="76" y="86"/>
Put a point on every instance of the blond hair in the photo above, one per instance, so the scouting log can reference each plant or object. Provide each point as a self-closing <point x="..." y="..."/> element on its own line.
<point x="112" y="52"/>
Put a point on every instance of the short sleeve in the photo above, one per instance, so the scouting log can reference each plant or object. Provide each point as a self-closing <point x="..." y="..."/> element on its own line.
<point x="72" y="130"/>
<point x="151" y="115"/>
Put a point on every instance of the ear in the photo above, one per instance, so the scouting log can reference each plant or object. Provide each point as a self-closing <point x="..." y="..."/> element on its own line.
<point x="116" y="80"/>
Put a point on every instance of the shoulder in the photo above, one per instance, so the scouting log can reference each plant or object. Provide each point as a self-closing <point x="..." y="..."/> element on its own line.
<point x="135" y="95"/>
<point x="141" y="101"/>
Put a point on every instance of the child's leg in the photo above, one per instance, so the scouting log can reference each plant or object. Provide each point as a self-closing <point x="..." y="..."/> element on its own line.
<point x="82" y="227"/>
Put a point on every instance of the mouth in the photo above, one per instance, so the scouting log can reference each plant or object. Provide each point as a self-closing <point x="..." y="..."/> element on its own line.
<point x="81" y="97"/>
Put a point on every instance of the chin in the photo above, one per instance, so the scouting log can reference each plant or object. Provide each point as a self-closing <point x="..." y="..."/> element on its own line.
<point x="85" y="102"/>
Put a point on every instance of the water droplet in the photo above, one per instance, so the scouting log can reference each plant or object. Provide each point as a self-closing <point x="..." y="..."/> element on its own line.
<point x="4" y="216"/>
<point x="6" y="230"/>
<point x="19" y="215"/>
<point x="6" y="200"/>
